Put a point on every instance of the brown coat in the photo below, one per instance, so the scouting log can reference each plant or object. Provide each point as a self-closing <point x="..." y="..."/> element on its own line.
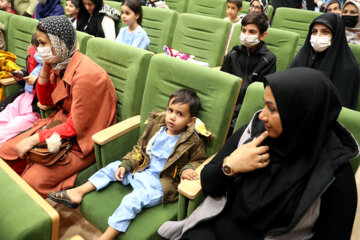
<point x="189" y="152"/>
<point x="85" y="91"/>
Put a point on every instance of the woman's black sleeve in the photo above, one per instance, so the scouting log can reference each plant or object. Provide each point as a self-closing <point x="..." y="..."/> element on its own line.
<point x="213" y="181"/>
<point x="338" y="207"/>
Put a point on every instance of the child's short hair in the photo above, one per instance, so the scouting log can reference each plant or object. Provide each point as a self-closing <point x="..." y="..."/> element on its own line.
<point x="332" y="2"/>
<point x="134" y="6"/>
<point x="11" y="3"/>
<point x="34" y="40"/>
<point x="258" y="19"/>
<point x="76" y="3"/>
<point x="189" y="97"/>
<point x="238" y="3"/>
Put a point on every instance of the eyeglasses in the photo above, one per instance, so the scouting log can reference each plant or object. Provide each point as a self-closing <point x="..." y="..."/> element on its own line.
<point x="255" y="7"/>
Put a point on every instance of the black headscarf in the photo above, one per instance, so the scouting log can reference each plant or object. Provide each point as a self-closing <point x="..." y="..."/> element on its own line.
<point x="337" y="61"/>
<point x="278" y="195"/>
<point x="92" y="26"/>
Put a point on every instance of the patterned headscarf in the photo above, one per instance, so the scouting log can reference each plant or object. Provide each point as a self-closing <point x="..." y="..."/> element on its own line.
<point x="62" y="36"/>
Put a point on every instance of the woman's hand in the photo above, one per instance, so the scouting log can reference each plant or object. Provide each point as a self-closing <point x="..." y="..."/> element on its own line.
<point x="30" y="79"/>
<point x="18" y="75"/>
<point x="119" y="175"/>
<point x="26" y="145"/>
<point x="44" y="75"/>
<point x="250" y="156"/>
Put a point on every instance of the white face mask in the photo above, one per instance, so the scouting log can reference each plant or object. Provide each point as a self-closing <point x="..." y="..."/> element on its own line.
<point x="320" y="43"/>
<point x="249" y="40"/>
<point x="46" y="55"/>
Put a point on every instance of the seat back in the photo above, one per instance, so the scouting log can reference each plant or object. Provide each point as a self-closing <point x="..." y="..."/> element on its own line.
<point x="355" y="48"/>
<point x="82" y="38"/>
<point x="178" y="6"/>
<point x="246" y="6"/>
<point x="4" y="18"/>
<point x="280" y="42"/>
<point x="127" y="67"/>
<point x="350" y="120"/>
<point x="19" y="35"/>
<point x="217" y="91"/>
<point x="210" y="8"/>
<point x="159" y="25"/>
<point x="201" y="36"/>
<point x="253" y="101"/>
<point x="294" y="20"/>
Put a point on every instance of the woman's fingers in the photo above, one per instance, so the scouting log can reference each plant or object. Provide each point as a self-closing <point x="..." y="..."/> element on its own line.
<point x="262" y="149"/>
<point x="256" y="141"/>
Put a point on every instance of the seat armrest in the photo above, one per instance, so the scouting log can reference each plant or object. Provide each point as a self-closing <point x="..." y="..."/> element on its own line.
<point x="116" y="130"/>
<point x="217" y="68"/>
<point x="44" y="107"/>
<point x="192" y="188"/>
<point x="7" y="81"/>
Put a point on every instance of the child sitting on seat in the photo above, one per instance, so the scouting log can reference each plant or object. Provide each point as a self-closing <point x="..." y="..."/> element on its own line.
<point x="72" y="8"/>
<point x="233" y="7"/>
<point x="7" y="5"/>
<point x="252" y="60"/>
<point x="133" y="35"/>
<point x="170" y="149"/>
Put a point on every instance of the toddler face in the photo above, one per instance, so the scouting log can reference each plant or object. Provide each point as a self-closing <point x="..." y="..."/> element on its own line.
<point x="232" y="10"/>
<point x="4" y="5"/>
<point x="177" y="117"/>
<point x="128" y="16"/>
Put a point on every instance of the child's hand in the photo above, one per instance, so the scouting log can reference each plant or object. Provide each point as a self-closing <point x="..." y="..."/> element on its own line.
<point x="189" y="174"/>
<point x="30" y="79"/>
<point x="119" y="175"/>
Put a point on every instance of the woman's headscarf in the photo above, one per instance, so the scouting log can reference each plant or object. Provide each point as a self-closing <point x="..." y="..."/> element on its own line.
<point x="264" y="5"/>
<point x="49" y="8"/>
<point x="62" y="36"/>
<point x="309" y="106"/>
<point x="353" y="34"/>
<point x="90" y="23"/>
<point x="337" y="61"/>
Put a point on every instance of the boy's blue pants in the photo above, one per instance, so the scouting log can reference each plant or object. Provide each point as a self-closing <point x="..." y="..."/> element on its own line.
<point x="147" y="193"/>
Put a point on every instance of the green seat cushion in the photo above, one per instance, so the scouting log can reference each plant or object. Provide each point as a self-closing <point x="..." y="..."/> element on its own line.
<point x="97" y="207"/>
<point x="82" y="38"/>
<point x="178" y="6"/>
<point x="4" y="18"/>
<point x="21" y="216"/>
<point x="210" y="8"/>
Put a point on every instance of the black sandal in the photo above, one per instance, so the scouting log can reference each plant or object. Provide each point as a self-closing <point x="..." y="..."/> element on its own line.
<point x="62" y="197"/>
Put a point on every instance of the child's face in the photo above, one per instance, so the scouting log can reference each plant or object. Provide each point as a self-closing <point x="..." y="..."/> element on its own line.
<point x="334" y="8"/>
<point x="255" y="7"/>
<point x="89" y="6"/>
<point x="128" y="16"/>
<point x="232" y="10"/>
<point x="5" y="5"/>
<point x="251" y="29"/>
<point x="70" y="9"/>
<point x="177" y="117"/>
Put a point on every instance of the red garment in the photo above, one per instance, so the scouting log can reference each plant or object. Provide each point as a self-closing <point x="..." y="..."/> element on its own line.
<point x="45" y="91"/>
<point x="65" y="130"/>
<point x="31" y="63"/>
<point x="12" y="11"/>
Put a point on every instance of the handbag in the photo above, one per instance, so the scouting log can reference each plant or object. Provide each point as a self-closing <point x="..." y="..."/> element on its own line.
<point x="41" y="154"/>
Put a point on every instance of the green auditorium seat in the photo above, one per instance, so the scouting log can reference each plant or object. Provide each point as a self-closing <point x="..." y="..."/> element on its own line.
<point x="280" y="42"/>
<point x="19" y="35"/>
<point x="25" y="215"/>
<point x="159" y="25"/>
<point x="246" y="6"/>
<point x="294" y="20"/>
<point x="201" y="36"/>
<point x="210" y="8"/>
<point x="82" y="38"/>
<point x="217" y="91"/>
<point x="4" y="18"/>
<point x="177" y="5"/>
<point x="355" y="48"/>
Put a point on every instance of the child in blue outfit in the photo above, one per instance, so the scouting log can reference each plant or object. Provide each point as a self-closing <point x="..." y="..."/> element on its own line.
<point x="170" y="149"/>
<point x="133" y="35"/>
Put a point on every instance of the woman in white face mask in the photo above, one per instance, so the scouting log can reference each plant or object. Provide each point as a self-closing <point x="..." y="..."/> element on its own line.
<point x="326" y="49"/>
<point x="85" y="102"/>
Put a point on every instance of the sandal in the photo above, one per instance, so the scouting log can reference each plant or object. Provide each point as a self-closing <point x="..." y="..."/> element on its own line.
<point x="62" y="197"/>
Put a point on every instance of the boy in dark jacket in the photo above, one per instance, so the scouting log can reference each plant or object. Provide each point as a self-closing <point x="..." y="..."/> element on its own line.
<point x="169" y="150"/>
<point x="252" y="60"/>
